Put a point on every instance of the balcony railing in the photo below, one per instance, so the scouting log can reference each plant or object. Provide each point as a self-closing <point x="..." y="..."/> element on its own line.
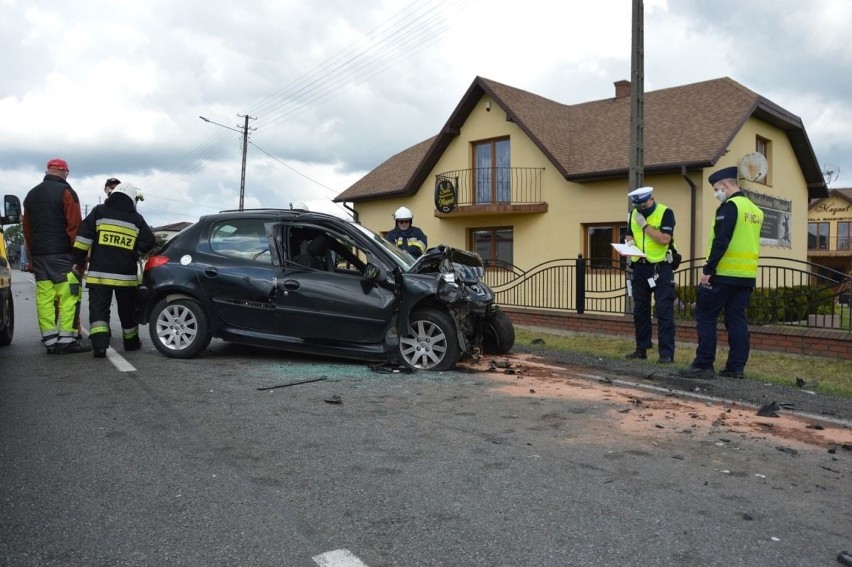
<point x="495" y="185"/>
<point x="789" y="292"/>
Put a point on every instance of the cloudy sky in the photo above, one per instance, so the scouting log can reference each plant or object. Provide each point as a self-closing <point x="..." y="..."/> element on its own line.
<point x="335" y="87"/>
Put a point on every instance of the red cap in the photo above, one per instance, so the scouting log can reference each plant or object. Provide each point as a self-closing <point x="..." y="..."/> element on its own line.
<point x="57" y="163"/>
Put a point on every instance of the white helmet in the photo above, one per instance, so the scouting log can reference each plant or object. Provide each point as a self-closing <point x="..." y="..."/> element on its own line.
<point x="403" y="213"/>
<point x="130" y="190"/>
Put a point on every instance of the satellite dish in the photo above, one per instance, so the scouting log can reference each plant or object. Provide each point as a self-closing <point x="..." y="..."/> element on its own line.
<point x="830" y="173"/>
<point x="753" y="166"/>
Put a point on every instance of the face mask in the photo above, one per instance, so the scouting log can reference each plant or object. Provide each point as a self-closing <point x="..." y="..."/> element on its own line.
<point x="647" y="212"/>
<point x="721" y="196"/>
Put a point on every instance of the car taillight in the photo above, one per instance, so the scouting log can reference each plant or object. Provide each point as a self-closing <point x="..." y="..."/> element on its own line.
<point x="155" y="261"/>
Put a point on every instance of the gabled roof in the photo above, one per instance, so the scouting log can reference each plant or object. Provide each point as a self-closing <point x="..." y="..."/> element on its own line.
<point x="690" y="125"/>
<point x="844" y="194"/>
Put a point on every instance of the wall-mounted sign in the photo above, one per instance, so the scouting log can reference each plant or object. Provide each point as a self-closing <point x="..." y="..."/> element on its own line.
<point x="445" y="195"/>
<point x="831" y="210"/>
<point x="776" y="229"/>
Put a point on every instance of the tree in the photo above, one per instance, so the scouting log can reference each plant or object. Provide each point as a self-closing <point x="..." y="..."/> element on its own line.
<point x="14" y="236"/>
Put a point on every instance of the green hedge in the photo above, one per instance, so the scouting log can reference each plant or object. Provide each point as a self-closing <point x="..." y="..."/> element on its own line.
<point x="769" y="305"/>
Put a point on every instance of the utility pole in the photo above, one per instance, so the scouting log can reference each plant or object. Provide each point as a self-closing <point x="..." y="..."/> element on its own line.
<point x="637" y="99"/>
<point x="245" y="153"/>
<point x="636" y="174"/>
<point x="244" y="132"/>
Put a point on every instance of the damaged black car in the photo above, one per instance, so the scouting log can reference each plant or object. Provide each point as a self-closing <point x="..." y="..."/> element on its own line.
<point x="313" y="283"/>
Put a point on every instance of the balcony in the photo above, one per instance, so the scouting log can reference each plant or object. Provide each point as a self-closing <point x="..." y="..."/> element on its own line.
<point x="495" y="190"/>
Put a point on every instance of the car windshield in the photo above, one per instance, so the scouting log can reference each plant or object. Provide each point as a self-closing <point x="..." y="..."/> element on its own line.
<point x="402" y="258"/>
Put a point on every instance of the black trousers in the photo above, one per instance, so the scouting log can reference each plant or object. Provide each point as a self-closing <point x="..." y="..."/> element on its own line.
<point x="100" y="301"/>
<point x="664" y="295"/>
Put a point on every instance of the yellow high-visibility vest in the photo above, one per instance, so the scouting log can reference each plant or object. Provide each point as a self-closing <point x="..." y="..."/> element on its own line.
<point x="740" y="259"/>
<point x="654" y="251"/>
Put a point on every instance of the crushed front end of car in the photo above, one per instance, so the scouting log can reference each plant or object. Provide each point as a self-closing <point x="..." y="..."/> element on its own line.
<point x="461" y="291"/>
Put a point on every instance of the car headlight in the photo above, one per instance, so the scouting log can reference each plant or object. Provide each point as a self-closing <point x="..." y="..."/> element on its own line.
<point x="448" y="289"/>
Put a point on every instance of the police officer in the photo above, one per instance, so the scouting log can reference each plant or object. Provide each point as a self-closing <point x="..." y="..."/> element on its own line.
<point x="113" y="236"/>
<point x="730" y="273"/>
<point x="405" y="235"/>
<point x="51" y="219"/>
<point x="652" y="230"/>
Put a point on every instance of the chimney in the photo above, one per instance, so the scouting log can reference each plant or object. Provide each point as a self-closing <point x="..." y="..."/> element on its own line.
<point x="622" y="88"/>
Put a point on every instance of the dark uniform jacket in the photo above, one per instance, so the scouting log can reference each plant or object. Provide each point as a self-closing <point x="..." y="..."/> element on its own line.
<point x="51" y="217"/>
<point x="113" y="236"/>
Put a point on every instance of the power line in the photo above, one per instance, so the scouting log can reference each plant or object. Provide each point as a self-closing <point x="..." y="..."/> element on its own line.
<point x="329" y="78"/>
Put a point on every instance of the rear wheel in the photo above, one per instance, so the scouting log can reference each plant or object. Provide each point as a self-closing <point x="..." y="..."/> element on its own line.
<point x="179" y="329"/>
<point x="498" y="334"/>
<point x="430" y="343"/>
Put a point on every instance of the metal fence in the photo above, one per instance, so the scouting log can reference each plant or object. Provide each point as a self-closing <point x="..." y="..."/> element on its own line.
<point x="788" y="292"/>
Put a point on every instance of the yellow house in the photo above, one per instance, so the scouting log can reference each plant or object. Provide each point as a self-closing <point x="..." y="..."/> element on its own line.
<point x="830" y="232"/>
<point x="524" y="179"/>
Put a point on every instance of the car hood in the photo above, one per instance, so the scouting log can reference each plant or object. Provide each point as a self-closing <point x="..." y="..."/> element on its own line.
<point x="444" y="259"/>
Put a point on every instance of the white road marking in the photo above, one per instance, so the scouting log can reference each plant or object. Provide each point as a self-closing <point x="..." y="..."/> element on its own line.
<point x="338" y="558"/>
<point x="119" y="361"/>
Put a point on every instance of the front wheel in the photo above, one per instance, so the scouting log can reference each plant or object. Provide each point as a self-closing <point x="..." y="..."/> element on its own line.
<point x="179" y="329"/>
<point x="499" y="333"/>
<point x="430" y="343"/>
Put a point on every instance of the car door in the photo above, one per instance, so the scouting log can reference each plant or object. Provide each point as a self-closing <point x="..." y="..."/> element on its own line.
<point x="238" y="274"/>
<point x="330" y="299"/>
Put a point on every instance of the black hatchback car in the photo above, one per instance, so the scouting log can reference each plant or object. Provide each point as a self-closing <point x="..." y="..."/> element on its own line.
<point x="314" y="283"/>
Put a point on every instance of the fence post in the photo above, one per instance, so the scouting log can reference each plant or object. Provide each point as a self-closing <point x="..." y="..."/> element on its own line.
<point x="580" y="285"/>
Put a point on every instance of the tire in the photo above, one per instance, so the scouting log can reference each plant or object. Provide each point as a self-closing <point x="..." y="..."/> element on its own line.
<point x="9" y="330"/>
<point x="179" y="329"/>
<point x="498" y="334"/>
<point x="430" y="343"/>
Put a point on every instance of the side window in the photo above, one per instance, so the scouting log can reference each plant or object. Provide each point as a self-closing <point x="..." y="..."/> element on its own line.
<point x="764" y="146"/>
<point x="597" y="246"/>
<point x="318" y="249"/>
<point x="244" y="239"/>
<point x="494" y="245"/>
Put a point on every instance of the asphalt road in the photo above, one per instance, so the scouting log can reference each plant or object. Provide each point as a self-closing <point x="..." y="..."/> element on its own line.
<point x="143" y="460"/>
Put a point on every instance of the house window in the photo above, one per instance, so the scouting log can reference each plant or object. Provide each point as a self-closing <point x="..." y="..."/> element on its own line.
<point x="844" y="235"/>
<point x="817" y="236"/>
<point x="764" y="147"/>
<point x="494" y="245"/>
<point x="599" y="251"/>
<point x="492" y="171"/>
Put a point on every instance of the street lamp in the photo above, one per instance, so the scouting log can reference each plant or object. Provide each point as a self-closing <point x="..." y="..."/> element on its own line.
<point x="244" y="132"/>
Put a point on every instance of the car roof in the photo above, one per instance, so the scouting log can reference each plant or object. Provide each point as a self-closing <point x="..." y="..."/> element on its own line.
<point x="274" y="214"/>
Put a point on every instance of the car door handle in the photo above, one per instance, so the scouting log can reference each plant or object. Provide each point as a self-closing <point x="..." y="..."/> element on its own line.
<point x="211" y="272"/>
<point x="291" y="285"/>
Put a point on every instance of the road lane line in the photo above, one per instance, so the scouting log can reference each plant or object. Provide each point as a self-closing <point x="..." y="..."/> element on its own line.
<point x="338" y="558"/>
<point x="119" y="361"/>
<point x="112" y="355"/>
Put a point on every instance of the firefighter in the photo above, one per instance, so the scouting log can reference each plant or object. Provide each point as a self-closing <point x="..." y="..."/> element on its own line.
<point x="113" y="236"/>
<point x="405" y="235"/>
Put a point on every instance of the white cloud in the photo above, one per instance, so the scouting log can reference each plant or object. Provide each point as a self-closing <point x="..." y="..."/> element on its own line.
<point x="338" y="87"/>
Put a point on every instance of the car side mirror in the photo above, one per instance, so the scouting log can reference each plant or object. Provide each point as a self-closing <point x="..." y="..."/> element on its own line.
<point x="375" y="273"/>
<point x="11" y="210"/>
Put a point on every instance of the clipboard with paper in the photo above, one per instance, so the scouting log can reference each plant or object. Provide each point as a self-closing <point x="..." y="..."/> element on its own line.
<point x="627" y="249"/>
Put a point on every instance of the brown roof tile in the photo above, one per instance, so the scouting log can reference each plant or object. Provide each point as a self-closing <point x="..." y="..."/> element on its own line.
<point x="690" y="125"/>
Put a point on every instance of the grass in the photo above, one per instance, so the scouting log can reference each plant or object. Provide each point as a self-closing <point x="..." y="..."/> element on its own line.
<point x="824" y="375"/>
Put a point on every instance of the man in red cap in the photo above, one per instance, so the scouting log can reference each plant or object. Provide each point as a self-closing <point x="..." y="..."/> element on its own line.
<point x="51" y="218"/>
